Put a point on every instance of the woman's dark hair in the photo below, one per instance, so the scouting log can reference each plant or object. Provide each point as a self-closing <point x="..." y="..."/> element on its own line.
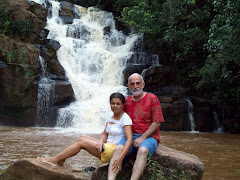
<point x="117" y="95"/>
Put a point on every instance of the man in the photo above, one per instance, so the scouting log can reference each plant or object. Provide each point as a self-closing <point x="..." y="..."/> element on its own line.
<point x="146" y="114"/>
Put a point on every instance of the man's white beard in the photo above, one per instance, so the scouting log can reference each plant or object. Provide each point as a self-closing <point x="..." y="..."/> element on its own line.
<point x="137" y="91"/>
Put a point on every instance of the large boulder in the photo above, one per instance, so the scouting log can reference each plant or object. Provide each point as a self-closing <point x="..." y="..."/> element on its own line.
<point x="166" y="163"/>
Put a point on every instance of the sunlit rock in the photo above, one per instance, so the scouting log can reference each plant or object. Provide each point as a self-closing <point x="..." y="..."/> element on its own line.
<point x="33" y="169"/>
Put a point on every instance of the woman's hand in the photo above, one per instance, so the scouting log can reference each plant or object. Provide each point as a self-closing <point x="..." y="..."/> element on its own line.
<point x="99" y="146"/>
<point x="117" y="165"/>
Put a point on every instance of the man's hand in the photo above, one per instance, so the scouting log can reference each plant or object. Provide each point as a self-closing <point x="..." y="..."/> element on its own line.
<point x="138" y="141"/>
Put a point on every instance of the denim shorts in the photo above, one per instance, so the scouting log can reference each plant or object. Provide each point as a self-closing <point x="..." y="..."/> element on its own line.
<point x="150" y="143"/>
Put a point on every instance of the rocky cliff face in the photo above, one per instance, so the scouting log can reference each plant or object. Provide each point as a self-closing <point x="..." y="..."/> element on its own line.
<point x="22" y="40"/>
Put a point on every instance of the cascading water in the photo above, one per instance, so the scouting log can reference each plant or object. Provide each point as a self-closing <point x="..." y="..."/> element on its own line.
<point x="217" y="126"/>
<point x="190" y="115"/>
<point x="93" y="54"/>
<point x="45" y="96"/>
<point x="43" y="67"/>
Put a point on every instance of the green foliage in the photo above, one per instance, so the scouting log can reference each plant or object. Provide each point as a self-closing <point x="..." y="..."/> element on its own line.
<point x="21" y="57"/>
<point x="178" y="28"/>
<point x="139" y="17"/>
<point x="4" y="19"/>
<point x="10" y="57"/>
<point x="18" y="58"/>
<point x="23" y="27"/>
<point x="237" y="173"/>
<point x="157" y="173"/>
<point x="221" y="72"/>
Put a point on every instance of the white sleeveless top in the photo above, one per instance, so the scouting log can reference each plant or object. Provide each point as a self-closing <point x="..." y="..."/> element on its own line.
<point x="115" y="129"/>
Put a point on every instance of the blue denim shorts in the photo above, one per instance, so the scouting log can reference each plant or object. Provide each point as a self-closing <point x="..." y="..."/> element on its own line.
<point x="150" y="143"/>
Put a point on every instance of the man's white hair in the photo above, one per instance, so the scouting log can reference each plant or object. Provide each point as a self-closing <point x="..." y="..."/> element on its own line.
<point x="138" y="74"/>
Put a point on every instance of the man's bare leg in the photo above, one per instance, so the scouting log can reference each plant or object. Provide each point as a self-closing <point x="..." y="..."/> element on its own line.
<point x="113" y="174"/>
<point x="140" y="163"/>
<point x="84" y="142"/>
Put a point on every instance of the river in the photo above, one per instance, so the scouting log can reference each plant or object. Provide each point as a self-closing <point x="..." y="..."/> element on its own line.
<point x="219" y="152"/>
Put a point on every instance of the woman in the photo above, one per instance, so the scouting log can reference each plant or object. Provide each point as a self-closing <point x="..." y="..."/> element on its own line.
<point x="118" y="124"/>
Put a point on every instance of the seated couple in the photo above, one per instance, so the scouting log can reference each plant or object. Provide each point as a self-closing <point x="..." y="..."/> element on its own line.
<point x="132" y="126"/>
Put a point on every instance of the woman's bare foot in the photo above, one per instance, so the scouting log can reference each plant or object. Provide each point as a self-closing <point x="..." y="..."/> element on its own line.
<point x="49" y="161"/>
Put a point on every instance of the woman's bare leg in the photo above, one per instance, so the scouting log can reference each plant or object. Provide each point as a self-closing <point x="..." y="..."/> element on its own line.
<point x="84" y="142"/>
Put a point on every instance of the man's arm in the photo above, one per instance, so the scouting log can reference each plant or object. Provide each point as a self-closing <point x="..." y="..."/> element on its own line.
<point x="148" y="133"/>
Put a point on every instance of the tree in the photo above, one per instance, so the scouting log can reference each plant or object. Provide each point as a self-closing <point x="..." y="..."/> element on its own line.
<point x="221" y="72"/>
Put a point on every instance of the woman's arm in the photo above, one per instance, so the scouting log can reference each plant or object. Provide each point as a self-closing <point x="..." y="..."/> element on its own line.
<point x="102" y="140"/>
<point x="117" y="164"/>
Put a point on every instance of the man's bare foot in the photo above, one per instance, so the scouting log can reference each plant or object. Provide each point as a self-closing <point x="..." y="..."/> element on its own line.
<point x="48" y="161"/>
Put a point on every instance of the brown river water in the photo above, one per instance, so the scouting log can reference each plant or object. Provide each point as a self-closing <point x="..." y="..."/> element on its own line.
<point x="219" y="152"/>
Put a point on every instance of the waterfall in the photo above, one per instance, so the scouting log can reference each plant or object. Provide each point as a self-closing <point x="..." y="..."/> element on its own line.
<point x="43" y="67"/>
<point x="93" y="54"/>
<point x="190" y="115"/>
<point x="217" y="126"/>
<point x="45" y="96"/>
<point x="143" y="73"/>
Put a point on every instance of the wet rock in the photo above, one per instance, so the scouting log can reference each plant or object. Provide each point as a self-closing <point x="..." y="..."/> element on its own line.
<point x="67" y="20"/>
<point x="175" y="116"/>
<point x="67" y="9"/>
<point x="165" y="99"/>
<point x="2" y="64"/>
<point x="141" y="58"/>
<point x="172" y="163"/>
<point x="204" y="120"/>
<point x="174" y="91"/>
<point x="232" y="125"/>
<point x="53" y="45"/>
<point x="63" y="93"/>
<point x="155" y="74"/>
